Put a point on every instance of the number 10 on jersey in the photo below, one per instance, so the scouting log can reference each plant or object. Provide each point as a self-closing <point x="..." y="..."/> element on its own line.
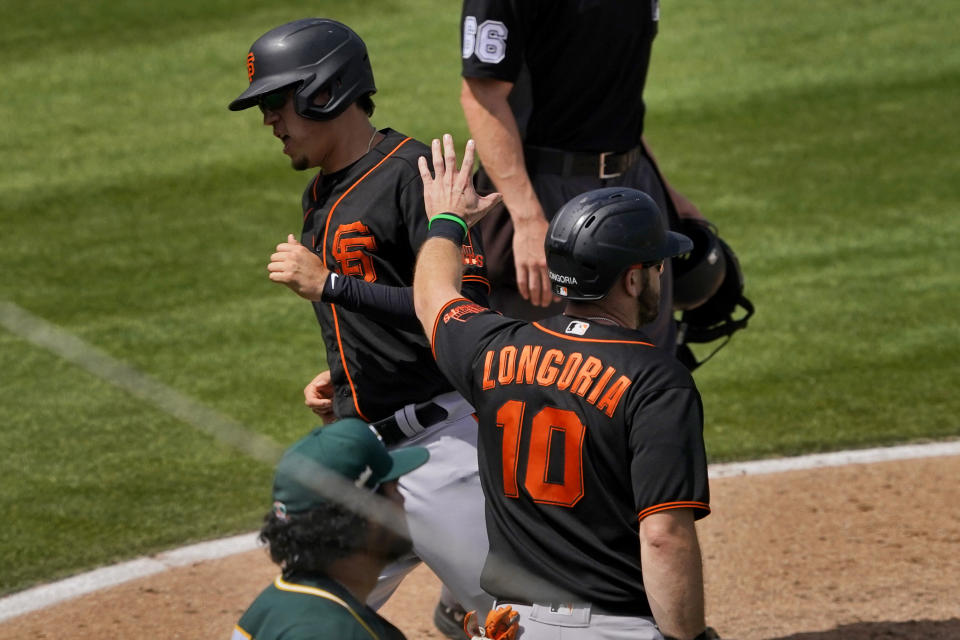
<point x="545" y="428"/>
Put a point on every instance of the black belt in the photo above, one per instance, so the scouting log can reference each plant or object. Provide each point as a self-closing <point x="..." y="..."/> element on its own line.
<point x="428" y="414"/>
<point x="606" y="165"/>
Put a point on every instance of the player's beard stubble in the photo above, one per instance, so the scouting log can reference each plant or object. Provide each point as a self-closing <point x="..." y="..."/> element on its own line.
<point x="401" y="546"/>
<point x="300" y="163"/>
<point x="392" y="544"/>
<point x="648" y="300"/>
<point x="392" y="538"/>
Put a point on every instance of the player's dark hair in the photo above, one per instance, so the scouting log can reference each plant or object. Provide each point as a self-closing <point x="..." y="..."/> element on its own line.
<point x="365" y="102"/>
<point x="308" y="542"/>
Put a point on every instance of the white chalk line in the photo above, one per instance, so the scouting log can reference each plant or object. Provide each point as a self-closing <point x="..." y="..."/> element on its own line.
<point x="46" y="335"/>
<point x="56" y="592"/>
<point x="836" y="459"/>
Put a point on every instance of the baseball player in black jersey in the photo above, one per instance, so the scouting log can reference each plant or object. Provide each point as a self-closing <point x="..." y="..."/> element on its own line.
<point x="590" y="439"/>
<point x="363" y="222"/>
<point x="553" y="95"/>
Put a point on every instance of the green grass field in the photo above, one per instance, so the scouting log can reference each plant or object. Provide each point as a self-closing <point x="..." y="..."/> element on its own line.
<point x="138" y="214"/>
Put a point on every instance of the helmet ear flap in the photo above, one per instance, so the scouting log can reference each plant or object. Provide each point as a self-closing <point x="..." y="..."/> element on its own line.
<point x="306" y="97"/>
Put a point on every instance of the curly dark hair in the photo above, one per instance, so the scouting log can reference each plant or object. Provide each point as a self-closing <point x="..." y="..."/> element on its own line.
<point x="308" y="542"/>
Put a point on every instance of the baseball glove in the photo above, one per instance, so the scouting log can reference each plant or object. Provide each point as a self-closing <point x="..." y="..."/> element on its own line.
<point x="502" y="623"/>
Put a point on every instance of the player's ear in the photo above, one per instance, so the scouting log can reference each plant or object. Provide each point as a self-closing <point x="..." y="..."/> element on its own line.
<point x="632" y="281"/>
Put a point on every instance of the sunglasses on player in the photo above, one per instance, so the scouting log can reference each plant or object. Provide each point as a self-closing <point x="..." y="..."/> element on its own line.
<point x="656" y="264"/>
<point x="273" y="101"/>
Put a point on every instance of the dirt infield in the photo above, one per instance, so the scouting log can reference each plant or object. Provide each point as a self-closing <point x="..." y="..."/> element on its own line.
<point x="867" y="551"/>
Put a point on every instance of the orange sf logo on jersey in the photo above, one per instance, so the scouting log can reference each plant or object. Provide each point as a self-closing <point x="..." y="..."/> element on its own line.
<point x="351" y="242"/>
<point x="250" y="69"/>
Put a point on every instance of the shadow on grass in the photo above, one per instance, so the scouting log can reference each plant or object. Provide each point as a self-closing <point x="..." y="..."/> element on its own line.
<point x="912" y="630"/>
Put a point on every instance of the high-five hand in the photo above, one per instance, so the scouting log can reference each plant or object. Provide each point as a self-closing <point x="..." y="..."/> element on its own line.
<point x="451" y="191"/>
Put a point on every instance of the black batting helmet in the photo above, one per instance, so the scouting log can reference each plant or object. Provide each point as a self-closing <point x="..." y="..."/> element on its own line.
<point x="310" y="55"/>
<point x="599" y="234"/>
<point x="698" y="274"/>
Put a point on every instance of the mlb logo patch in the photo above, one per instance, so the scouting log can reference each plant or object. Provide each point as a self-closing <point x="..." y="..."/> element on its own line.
<point x="577" y="328"/>
<point x="562" y="291"/>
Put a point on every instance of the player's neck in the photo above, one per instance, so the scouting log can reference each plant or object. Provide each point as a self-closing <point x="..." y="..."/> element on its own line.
<point x="357" y="573"/>
<point x="356" y="137"/>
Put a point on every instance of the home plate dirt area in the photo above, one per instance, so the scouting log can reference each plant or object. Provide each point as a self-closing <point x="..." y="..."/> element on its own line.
<point x="856" y="552"/>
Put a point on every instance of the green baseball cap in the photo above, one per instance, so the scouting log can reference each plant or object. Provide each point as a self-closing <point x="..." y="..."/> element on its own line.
<point x="349" y="449"/>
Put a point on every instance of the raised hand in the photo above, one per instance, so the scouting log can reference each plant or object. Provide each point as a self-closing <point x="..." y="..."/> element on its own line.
<point x="449" y="190"/>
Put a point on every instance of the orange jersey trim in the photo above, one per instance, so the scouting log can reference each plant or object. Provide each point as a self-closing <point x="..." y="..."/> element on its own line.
<point x="326" y="226"/>
<point x="346" y="370"/>
<point x="436" y="323"/>
<point x="667" y="506"/>
<point x="480" y="279"/>
<point x="333" y="307"/>
<point x="572" y="338"/>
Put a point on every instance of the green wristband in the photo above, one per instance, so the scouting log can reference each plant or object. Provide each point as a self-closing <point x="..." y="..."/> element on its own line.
<point x="452" y="218"/>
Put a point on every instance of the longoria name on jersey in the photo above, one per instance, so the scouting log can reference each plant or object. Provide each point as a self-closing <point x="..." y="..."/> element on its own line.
<point x="567" y="371"/>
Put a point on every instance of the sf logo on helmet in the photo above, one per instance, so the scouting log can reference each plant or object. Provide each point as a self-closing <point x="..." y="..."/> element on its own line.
<point x="250" y="69"/>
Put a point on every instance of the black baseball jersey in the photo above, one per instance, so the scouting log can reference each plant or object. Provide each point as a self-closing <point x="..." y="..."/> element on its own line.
<point x="367" y="221"/>
<point x="573" y="89"/>
<point x="585" y="429"/>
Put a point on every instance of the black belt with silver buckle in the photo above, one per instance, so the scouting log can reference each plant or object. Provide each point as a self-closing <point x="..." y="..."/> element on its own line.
<point x="428" y="414"/>
<point x="606" y="165"/>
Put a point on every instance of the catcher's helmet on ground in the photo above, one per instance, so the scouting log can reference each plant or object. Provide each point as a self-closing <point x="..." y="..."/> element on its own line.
<point x="714" y="319"/>
<point x="310" y="55"/>
<point x="599" y="234"/>
<point x="697" y="275"/>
